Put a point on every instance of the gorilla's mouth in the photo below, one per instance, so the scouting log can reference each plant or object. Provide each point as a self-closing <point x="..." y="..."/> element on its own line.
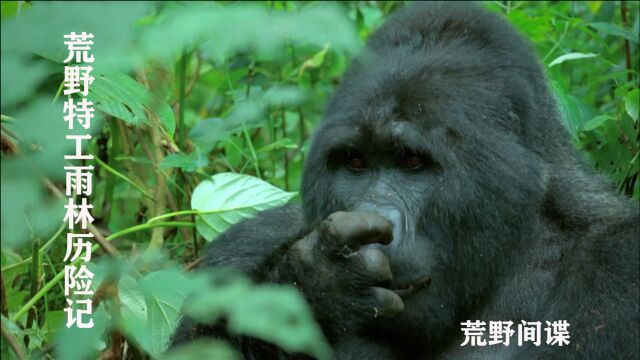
<point x="412" y="288"/>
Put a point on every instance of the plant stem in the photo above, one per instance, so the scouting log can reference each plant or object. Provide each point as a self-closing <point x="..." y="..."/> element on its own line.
<point x="122" y="176"/>
<point x="172" y="214"/>
<point x="60" y="275"/>
<point x="42" y="249"/>
<point x="627" y="51"/>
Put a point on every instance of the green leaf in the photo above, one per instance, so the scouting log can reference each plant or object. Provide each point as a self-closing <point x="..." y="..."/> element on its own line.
<point x="284" y="143"/>
<point x="164" y="292"/>
<point x="596" y="122"/>
<point x="571" y="56"/>
<point x="315" y="61"/>
<point x="20" y="77"/>
<point x="10" y="9"/>
<point x="283" y="95"/>
<point x="631" y="103"/>
<point x="222" y="290"/>
<point x="280" y="315"/>
<point x="202" y="349"/>
<point x="247" y="26"/>
<point x="594" y="6"/>
<point x="615" y="30"/>
<point x="40" y="27"/>
<point x="121" y="96"/>
<point x="132" y="300"/>
<point x="208" y="132"/>
<point x="573" y="111"/>
<point x="75" y="343"/>
<point x="227" y="199"/>
<point x="187" y="162"/>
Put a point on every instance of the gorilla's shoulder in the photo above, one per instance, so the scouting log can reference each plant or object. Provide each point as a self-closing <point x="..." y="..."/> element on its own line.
<point x="290" y="214"/>
<point x="246" y="244"/>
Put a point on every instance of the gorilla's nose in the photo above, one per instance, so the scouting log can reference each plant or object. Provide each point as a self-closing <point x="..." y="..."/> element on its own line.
<point x="389" y="212"/>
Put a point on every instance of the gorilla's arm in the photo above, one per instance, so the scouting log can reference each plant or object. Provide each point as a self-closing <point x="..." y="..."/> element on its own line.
<point x="339" y="278"/>
<point x="250" y="247"/>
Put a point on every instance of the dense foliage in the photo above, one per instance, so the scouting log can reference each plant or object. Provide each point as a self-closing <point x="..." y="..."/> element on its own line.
<point x="204" y="116"/>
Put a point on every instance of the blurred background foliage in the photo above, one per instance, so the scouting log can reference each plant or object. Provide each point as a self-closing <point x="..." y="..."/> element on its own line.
<point x="204" y="112"/>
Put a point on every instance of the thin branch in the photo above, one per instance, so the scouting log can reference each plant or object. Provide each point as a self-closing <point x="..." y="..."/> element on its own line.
<point x="60" y="275"/>
<point x="97" y="235"/>
<point x="13" y="343"/>
<point x="627" y="51"/>
<point x="3" y="297"/>
<point x="196" y="75"/>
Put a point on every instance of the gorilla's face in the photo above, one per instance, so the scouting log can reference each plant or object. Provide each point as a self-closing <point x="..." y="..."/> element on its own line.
<point x="383" y="170"/>
<point x="440" y="159"/>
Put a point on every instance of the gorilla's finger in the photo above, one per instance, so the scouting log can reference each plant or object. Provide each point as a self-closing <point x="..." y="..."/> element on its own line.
<point x="390" y="304"/>
<point x="303" y="249"/>
<point x="356" y="228"/>
<point x="376" y="265"/>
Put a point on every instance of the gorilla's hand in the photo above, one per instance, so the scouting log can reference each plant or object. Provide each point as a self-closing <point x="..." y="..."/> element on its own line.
<point x="341" y="275"/>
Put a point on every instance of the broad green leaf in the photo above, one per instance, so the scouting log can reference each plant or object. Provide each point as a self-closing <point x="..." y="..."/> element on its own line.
<point x="121" y="96"/>
<point x="631" y="103"/>
<point x="54" y="320"/>
<point x="202" y="349"/>
<point x="227" y="199"/>
<point x="132" y="300"/>
<point x="615" y="30"/>
<point x="280" y="315"/>
<point x="249" y="26"/>
<point x="571" y="56"/>
<point x="164" y="292"/>
<point x="283" y="95"/>
<point x="596" y="122"/>
<point x="20" y="77"/>
<point x="222" y="290"/>
<point x="187" y="162"/>
<point x="246" y="115"/>
<point x="40" y="28"/>
<point x="75" y="343"/>
<point x="15" y="299"/>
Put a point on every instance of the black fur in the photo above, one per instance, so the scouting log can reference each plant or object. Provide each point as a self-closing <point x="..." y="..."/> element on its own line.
<point x="506" y="218"/>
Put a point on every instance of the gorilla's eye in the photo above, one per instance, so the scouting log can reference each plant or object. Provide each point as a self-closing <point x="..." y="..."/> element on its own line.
<point x="355" y="161"/>
<point x="411" y="161"/>
<point x="349" y="158"/>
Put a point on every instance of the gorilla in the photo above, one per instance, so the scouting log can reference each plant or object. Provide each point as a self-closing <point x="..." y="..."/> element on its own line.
<point x="441" y="187"/>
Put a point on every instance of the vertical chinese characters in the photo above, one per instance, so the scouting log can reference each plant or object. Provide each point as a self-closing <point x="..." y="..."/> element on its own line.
<point x="78" y="113"/>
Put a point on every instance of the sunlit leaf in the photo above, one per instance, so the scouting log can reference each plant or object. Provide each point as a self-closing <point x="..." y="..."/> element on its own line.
<point x="631" y="103"/>
<point x="315" y="61"/>
<point x="284" y="143"/>
<point x="570" y="56"/>
<point x="596" y="121"/>
<point x="227" y="199"/>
